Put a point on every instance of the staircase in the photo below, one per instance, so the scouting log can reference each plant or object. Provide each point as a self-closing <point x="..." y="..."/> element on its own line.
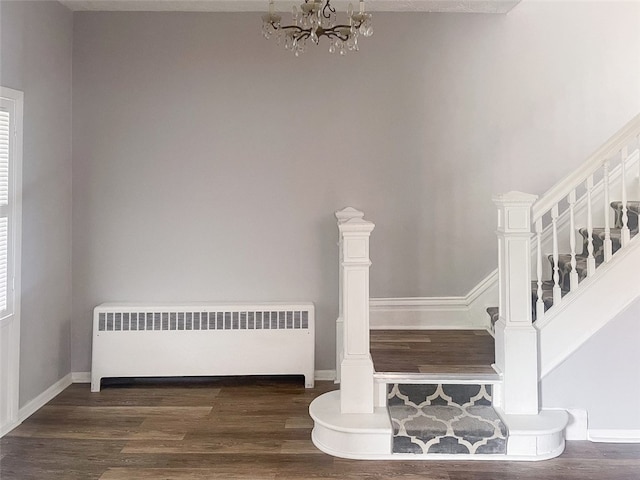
<point x="598" y="238"/>
<point x="396" y="409"/>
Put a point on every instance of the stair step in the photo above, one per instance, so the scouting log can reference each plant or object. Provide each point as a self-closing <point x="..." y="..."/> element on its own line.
<point x="435" y="378"/>
<point x="445" y="419"/>
<point x="633" y="211"/>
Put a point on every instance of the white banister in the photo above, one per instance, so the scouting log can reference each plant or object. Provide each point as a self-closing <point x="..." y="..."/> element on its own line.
<point x="573" y="275"/>
<point x="516" y="338"/>
<point x="610" y="148"/>
<point x="625" y="234"/>
<point x="608" y="246"/>
<point x="557" y="291"/>
<point x="539" y="292"/>
<point x="356" y="369"/>
<point x="342" y="216"/>
<point x="591" y="261"/>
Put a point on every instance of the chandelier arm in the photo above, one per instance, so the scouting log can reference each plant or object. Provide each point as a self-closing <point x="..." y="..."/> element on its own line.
<point x="328" y="6"/>
<point x="335" y="32"/>
<point x="286" y="28"/>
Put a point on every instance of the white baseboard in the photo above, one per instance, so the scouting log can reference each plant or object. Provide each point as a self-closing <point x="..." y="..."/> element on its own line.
<point x="614" y="436"/>
<point x="577" y="428"/>
<point x="85" y="377"/>
<point x="40" y="401"/>
<point x="428" y="313"/>
<point x="81" y="377"/>
<point x="325" y="375"/>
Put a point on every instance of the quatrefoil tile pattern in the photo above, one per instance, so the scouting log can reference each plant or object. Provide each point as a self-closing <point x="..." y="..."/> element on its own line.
<point x="445" y="419"/>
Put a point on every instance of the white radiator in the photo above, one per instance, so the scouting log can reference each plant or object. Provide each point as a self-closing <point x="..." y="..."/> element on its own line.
<point x="135" y="340"/>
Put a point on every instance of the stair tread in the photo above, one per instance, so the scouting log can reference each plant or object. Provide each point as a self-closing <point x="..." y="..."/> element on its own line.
<point x="633" y="205"/>
<point x="467" y="377"/>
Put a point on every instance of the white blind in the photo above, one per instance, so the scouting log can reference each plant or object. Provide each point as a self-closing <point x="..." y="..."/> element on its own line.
<point x="5" y="207"/>
<point x="4" y="156"/>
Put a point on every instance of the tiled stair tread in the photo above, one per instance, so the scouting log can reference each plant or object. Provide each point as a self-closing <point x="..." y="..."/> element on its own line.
<point x="445" y="419"/>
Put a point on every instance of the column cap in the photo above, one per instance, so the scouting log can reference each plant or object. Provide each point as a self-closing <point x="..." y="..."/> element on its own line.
<point x="356" y="225"/>
<point x="348" y="213"/>
<point x="514" y="198"/>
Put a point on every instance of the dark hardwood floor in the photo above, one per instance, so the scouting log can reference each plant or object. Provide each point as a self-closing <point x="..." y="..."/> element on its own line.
<point x="237" y="428"/>
<point x="432" y="351"/>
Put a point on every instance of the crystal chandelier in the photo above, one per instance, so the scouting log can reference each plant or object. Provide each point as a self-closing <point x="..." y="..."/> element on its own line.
<point x="315" y="19"/>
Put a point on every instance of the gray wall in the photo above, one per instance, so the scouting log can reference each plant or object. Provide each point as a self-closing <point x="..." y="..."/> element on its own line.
<point x="207" y="161"/>
<point x="602" y="377"/>
<point x="35" y="57"/>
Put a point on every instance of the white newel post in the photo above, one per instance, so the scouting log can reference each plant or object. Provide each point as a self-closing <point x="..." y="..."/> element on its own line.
<point x="342" y="215"/>
<point x="356" y="369"/>
<point x="516" y="338"/>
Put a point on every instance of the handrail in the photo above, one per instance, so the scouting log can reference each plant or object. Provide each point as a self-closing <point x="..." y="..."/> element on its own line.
<point x="561" y="189"/>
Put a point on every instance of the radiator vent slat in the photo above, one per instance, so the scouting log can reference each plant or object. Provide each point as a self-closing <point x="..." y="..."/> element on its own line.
<point x="203" y="320"/>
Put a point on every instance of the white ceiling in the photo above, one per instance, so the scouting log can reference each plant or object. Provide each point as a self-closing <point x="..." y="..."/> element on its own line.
<point x="449" y="6"/>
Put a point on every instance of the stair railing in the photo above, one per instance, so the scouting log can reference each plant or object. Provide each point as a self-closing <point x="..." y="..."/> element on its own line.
<point x="352" y="332"/>
<point x="610" y="171"/>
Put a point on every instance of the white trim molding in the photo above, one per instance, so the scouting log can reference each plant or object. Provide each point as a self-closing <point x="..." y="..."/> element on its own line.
<point x="12" y="104"/>
<point x="40" y="401"/>
<point x="322" y="375"/>
<point x="325" y="375"/>
<point x="614" y="436"/>
<point x="424" y="313"/>
<point x="81" y="377"/>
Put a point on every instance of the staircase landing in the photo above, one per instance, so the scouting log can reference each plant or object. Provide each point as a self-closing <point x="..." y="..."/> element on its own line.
<point x="457" y="352"/>
<point x="450" y="361"/>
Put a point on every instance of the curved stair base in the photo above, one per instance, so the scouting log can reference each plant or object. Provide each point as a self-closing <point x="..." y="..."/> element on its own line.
<point x="369" y="436"/>
<point x="350" y="435"/>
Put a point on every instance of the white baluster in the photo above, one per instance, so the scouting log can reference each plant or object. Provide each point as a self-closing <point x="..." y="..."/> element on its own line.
<point x="624" y="233"/>
<point x="591" y="261"/>
<point x="608" y="247"/>
<point x="557" y="292"/>
<point x="539" y="301"/>
<point x="573" y="275"/>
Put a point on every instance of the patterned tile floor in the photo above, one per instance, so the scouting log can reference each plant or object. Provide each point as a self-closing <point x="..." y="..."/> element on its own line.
<point x="449" y="419"/>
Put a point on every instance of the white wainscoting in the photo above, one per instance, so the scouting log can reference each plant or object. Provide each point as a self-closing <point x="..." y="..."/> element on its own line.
<point x="424" y="313"/>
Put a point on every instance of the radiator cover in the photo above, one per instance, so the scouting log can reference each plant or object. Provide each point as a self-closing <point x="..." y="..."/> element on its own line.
<point x="203" y="339"/>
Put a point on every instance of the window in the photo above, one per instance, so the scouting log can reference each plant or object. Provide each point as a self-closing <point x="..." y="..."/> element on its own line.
<point x="10" y="153"/>
<point x="10" y="224"/>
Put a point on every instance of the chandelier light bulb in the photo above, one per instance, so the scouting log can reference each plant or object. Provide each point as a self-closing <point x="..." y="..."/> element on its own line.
<point x="316" y="19"/>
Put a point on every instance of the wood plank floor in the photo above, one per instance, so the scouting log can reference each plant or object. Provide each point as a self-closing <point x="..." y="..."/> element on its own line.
<point x="432" y="351"/>
<point x="237" y="429"/>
